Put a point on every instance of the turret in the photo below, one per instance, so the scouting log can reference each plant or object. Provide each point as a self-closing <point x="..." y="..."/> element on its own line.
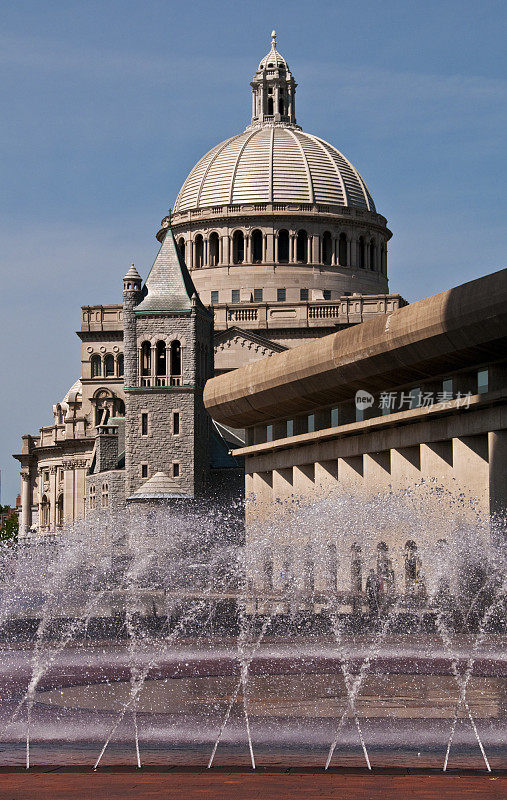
<point x="132" y="296"/>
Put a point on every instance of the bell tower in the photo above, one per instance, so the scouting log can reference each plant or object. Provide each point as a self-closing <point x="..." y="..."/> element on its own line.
<point x="168" y="359"/>
<point x="273" y="91"/>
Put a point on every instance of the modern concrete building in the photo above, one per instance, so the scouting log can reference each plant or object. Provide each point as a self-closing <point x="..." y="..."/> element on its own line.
<point x="282" y="241"/>
<point x="411" y="401"/>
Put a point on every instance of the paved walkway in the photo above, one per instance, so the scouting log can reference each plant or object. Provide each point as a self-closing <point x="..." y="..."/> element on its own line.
<point x="228" y="784"/>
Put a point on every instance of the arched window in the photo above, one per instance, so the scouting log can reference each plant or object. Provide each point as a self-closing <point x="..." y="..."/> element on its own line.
<point x="103" y="406"/>
<point x="385" y="569"/>
<point x="120" y="408"/>
<point x="256" y="246"/>
<point x="412" y="567"/>
<point x="59" y="511"/>
<point x="175" y="358"/>
<point x="120" y="365"/>
<point x="383" y="260"/>
<point x="181" y="247"/>
<point x="146" y="358"/>
<point x="109" y="366"/>
<point x="161" y="365"/>
<point x="213" y="250"/>
<point x="327" y="246"/>
<point x="361" y="255"/>
<point x="302" y="247"/>
<point x="372" y="254"/>
<point x="45" y="510"/>
<point x="199" y="251"/>
<point x="281" y="102"/>
<point x="342" y="250"/>
<point x="93" y="497"/>
<point x="270" y="106"/>
<point x="105" y="495"/>
<point x="96" y="366"/>
<point x="238" y="247"/>
<point x="283" y="247"/>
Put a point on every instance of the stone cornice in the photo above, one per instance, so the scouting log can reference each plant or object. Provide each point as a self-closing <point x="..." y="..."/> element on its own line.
<point x="217" y="216"/>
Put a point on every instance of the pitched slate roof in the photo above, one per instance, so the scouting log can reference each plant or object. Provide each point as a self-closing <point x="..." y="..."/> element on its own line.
<point x="169" y="286"/>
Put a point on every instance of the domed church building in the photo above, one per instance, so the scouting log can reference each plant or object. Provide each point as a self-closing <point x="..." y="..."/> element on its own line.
<point x="280" y="231"/>
<point x="274" y="240"/>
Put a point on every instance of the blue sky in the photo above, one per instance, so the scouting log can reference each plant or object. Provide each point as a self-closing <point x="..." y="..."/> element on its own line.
<point x="106" y="106"/>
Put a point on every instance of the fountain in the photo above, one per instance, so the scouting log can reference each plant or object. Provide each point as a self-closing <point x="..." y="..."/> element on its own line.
<point x="341" y="632"/>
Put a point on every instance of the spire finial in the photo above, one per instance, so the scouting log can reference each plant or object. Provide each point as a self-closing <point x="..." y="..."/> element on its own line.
<point x="273" y="38"/>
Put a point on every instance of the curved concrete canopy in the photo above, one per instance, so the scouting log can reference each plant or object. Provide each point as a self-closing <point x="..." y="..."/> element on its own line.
<point x="440" y="333"/>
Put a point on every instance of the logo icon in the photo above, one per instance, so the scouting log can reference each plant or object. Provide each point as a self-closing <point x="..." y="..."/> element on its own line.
<point x="364" y="400"/>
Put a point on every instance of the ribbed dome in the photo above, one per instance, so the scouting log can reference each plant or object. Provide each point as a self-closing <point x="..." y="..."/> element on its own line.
<point x="273" y="164"/>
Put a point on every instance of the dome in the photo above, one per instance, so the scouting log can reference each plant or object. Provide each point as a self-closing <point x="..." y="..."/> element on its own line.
<point x="273" y="164"/>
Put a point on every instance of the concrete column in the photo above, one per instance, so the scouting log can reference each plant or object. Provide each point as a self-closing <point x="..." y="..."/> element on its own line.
<point x="292" y="248"/>
<point x="262" y="483"/>
<point x="205" y="252"/>
<point x="350" y="473"/>
<point x="497" y="451"/>
<point x="304" y="481"/>
<point x="275" y="250"/>
<point x="334" y="252"/>
<point x="154" y="359"/>
<point x="26" y="514"/>
<point x="377" y="470"/>
<point x="315" y="249"/>
<point x="53" y="477"/>
<point x="351" y="253"/>
<point x="80" y="474"/>
<point x="326" y="476"/>
<point x="405" y="467"/>
<point x="68" y="495"/>
<point x="471" y="470"/>
<point x="248" y="249"/>
<point x="270" y="247"/>
<point x="226" y="254"/>
<point x="283" y="483"/>
<point x="436" y="461"/>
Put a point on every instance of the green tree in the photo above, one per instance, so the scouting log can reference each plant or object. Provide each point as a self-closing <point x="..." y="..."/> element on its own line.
<point x="9" y="530"/>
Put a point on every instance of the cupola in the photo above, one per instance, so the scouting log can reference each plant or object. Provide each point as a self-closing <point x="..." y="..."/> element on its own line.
<point x="273" y="90"/>
<point x="132" y="280"/>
